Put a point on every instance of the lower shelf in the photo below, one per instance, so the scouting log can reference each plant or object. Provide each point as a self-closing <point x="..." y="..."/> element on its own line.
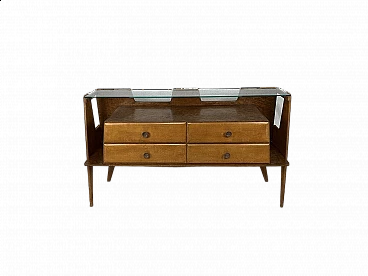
<point x="277" y="159"/>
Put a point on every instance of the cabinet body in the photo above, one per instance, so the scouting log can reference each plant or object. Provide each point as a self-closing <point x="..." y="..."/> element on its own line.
<point x="187" y="132"/>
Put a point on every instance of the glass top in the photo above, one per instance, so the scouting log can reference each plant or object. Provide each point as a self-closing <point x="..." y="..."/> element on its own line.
<point x="203" y="93"/>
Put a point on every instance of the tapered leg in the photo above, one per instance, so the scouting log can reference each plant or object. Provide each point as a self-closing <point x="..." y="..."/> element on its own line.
<point x="264" y="173"/>
<point x="283" y="180"/>
<point x="90" y="184"/>
<point x="110" y="172"/>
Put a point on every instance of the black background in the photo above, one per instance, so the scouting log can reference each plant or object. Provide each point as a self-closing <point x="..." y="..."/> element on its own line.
<point x="187" y="189"/>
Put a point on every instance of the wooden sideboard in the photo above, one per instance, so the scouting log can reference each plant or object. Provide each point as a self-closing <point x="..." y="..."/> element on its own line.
<point x="187" y="131"/>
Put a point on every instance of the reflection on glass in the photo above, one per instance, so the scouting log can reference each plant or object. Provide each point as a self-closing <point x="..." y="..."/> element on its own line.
<point x="206" y="94"/>
<point x="152" y="95"/>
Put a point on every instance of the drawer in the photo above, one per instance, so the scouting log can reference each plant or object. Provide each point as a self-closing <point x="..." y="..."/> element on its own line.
<point x="144" y="153"/>
<point x="228" y="153"/>
<point x="227" y="132"/>
<point x="145" y="132"/>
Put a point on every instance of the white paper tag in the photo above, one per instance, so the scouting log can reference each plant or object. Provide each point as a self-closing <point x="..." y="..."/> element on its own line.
<point x="95" y="112"/>
<point x="278" y="111"/>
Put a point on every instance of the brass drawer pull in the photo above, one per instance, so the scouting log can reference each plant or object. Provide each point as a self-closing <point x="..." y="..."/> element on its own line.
<point x="146" y="134"/>
<point x="227" y="155"/>
<point x="146" y="155"/>
<point x="228" y="134"/>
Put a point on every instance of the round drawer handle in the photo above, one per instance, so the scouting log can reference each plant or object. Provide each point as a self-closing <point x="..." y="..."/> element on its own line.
<point x="228" y="134"/>
<point x="146" y="134"/>
<point x="227" y="155"/>
<point x="146" y="155"/>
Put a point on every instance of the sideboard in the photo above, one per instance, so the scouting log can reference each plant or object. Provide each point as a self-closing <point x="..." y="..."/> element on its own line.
<point x="246" y="126"/>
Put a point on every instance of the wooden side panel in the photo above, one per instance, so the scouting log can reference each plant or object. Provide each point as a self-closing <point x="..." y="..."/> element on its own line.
<point x="280" y="136"/>
<point x="93" y="135"/>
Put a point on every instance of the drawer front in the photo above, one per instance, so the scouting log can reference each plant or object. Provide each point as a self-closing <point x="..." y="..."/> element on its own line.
<point x="145" y="133"/>
<point x="144" y="153"/>
<point x="223" y="132"/>
<point x="228" y="153"/>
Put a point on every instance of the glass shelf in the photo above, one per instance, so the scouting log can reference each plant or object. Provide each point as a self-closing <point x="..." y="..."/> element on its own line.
<point x="206" y="94"/>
